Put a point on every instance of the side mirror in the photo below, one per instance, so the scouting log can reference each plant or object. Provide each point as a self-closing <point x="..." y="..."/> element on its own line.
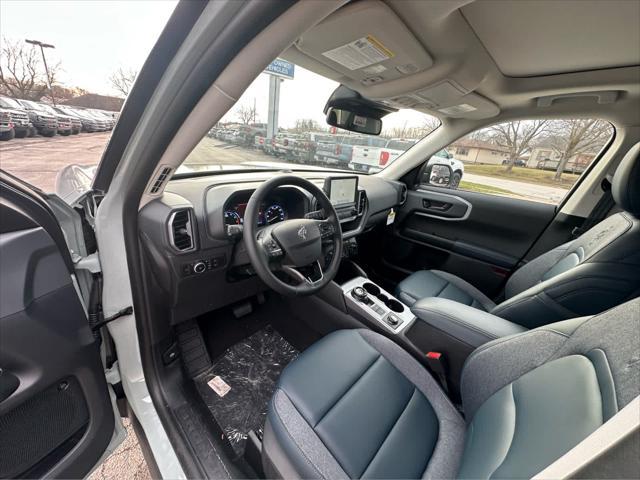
<point x="437" y="175"/>
<point x="348" y="120"/>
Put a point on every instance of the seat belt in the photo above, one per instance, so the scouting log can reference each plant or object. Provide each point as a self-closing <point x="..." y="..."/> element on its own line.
<point x="599" y="212"/>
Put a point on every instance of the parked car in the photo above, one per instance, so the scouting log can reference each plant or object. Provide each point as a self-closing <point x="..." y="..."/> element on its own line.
<point x="373" y="159"/>
<point x="305" y="146"/>
<point x="517" y="163"/>
<point x="76" y="121"/>
<point x="339" y="150"/>
<point x="108" y="119"/>
<point x="6" y="126"/>
<point x="65" y="122"/>
<point x="46" y="123"/>
<point x="552" y="165"/>
<point x="19" y="117"/>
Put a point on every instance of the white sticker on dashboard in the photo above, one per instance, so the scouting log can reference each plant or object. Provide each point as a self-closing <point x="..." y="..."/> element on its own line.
<point x="391" y="217"/>
<point x="219" y="386"/>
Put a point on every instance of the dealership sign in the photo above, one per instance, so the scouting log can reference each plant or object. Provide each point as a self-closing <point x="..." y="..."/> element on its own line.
<point x="281" y="68"/>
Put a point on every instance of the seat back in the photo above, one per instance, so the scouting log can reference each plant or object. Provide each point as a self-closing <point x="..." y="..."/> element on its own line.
<point x="532" y="397"/>
<point x="586" y="276"/>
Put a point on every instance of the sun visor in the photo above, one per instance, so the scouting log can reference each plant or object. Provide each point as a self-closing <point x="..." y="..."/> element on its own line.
<point x="367" y="43"/>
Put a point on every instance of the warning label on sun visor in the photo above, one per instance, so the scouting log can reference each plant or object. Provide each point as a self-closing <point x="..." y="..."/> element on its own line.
<point x="360" y="53"/>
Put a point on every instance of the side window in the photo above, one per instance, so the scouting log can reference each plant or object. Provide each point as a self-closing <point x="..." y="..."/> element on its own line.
<point x="537" y="160"/>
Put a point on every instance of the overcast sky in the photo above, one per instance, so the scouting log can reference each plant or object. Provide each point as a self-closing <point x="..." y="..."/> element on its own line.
<point x="95" y="38"/>
<point x="92" y="38"/>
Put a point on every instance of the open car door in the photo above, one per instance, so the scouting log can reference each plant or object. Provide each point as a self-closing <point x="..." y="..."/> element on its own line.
<point x="56" y="416"/>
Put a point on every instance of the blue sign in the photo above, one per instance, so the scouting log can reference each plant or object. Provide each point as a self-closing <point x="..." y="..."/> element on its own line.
<point x="281" y="68"/>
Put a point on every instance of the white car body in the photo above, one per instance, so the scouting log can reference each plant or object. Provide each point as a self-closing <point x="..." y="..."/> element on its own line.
<point x="373" y="159"/>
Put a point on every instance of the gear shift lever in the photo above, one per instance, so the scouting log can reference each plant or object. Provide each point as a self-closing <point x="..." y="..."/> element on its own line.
<point x="360" y="294"/>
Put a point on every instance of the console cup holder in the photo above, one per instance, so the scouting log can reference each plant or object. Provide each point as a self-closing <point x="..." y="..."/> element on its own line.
<point x="391" y="303"/>
<point x="394" y="305"/>
<point x="372" y="289"/>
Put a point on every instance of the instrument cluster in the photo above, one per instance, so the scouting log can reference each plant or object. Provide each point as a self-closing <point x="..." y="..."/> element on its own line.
<point x="268" y="215"/>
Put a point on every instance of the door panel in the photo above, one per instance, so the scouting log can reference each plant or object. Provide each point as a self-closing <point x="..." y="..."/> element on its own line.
<point x="476" y="236"/>
<point x="56" y="418"/>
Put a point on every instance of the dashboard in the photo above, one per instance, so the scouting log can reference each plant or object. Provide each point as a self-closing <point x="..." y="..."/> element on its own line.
<point x="192" y="233"/>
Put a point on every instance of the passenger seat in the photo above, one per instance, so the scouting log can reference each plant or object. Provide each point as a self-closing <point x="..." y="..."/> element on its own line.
<point x="596" y="271"/>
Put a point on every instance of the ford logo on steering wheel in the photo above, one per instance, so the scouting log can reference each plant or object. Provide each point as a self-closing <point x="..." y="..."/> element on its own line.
<point x="302" y="232"/>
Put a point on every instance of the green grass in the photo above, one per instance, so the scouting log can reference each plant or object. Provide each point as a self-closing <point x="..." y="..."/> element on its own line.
<point x="480" y="188"/>
<point x="522" y="174"/>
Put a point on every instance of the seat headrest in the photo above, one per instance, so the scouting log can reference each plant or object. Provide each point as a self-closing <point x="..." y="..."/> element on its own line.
<point x="625" y="186"/>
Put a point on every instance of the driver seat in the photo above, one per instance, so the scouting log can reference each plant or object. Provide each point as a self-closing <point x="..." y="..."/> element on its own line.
<point x="356" y="405"/>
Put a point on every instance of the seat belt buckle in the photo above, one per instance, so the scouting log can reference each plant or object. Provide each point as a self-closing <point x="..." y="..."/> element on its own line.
<point x="438" y="366"/>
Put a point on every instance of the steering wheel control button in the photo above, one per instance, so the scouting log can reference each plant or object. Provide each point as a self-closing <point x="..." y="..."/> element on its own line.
<point x="272" y="248"/>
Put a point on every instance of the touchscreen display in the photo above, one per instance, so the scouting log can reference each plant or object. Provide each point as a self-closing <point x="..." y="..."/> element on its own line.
<point x="343" y="190"/>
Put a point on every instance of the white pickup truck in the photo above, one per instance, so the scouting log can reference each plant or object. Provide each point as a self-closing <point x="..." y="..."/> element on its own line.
<point x="373" y="159"/>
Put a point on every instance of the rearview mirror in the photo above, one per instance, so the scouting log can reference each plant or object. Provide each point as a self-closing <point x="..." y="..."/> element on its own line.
<point x="347" y="120"/>
<point x="349" y="110"/>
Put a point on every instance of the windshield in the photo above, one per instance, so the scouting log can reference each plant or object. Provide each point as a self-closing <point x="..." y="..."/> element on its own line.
<point x="48" y="109"/>
<point x="294" y="133"/>
<point x="9" y="103"/>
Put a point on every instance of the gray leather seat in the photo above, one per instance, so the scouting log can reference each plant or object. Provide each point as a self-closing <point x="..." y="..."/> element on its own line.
<point x="596" y="271"/>
<point x="356" y="405"/>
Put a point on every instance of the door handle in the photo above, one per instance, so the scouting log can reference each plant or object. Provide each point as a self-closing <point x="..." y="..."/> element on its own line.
<point x="436" y="205"/>
<point x="9" y="383"/>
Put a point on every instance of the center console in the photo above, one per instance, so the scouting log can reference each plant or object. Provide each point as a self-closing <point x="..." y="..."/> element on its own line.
<point x="377" y="305"/>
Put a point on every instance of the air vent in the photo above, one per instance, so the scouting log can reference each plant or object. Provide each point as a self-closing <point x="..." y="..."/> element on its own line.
<point x="181" y="230"/>
<point x="403" y="194"/>
<point x="161" y="179"/>
<point x="362" y="202"/>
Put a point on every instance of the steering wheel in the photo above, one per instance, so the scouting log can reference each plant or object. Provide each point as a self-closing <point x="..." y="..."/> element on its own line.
<point x="295" y="247"/>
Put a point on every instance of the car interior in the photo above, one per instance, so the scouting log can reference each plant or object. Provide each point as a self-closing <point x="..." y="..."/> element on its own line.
<point x="317" y="323"/>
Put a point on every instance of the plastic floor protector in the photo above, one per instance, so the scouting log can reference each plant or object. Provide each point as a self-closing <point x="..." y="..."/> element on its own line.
<point x="242" y="381"/>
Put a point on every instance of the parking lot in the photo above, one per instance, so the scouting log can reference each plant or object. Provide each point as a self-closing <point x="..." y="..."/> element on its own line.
<point x="37" y="160"/>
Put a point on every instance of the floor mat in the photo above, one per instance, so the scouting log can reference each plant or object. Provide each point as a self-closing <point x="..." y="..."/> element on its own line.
<point x="251" y="369"/>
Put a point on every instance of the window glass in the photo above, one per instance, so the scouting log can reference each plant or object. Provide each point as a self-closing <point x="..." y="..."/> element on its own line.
<point x="56" y="121"/>
<point x="537" y="160"/>
<point x="241" y="139"/>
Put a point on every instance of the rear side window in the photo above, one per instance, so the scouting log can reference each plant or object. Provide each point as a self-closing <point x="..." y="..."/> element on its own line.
<point x="537" y="160"/>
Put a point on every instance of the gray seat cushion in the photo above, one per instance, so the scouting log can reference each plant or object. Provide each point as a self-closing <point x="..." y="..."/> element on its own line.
<point x="355" y="405"/>
<point x="435" y="283"/>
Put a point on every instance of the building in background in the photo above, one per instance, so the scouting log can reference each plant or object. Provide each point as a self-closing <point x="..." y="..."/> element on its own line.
<point x="93" y="100"/>
<point x="479" y="151"/>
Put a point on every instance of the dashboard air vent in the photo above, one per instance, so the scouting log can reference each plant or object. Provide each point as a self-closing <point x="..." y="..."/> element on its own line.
<point x="160" y="180"/>
<point x="181" y="230"/>
<point x="403" y="194"/>
<point x="362" y="202"/>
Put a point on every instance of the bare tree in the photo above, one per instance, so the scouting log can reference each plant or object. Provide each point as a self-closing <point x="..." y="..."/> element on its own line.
<point x="303" y="125"/>
<point x="247" y="114"/>
<point x="122" y="80"/>
<point x="574" y="137"/>
<point x="22" y="74"/>
<point x="517" y="137"/>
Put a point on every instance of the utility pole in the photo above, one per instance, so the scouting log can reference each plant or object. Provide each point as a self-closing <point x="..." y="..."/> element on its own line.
<point x="46" y="67"/>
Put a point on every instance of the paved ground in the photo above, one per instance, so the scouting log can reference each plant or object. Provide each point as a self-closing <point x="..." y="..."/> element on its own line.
<point x="126" y="462"/>
<point x="530" y="191"/>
